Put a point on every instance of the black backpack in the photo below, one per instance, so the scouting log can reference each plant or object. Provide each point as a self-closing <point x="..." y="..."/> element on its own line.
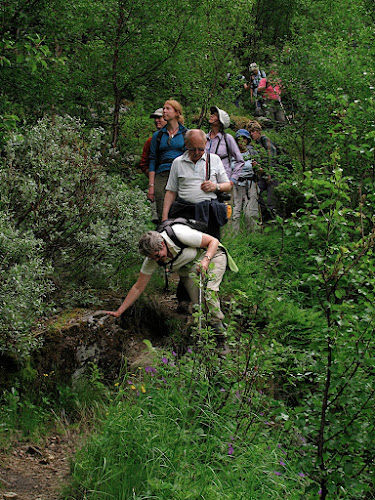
<point x="168" y="224"/>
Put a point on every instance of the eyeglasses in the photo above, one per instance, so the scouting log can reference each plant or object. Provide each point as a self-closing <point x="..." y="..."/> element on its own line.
<point x="154" y="256"/>
<point x="196" y="149"/>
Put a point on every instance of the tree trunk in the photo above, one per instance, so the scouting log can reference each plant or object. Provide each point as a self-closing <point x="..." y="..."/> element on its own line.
<point x="116" y="90"/>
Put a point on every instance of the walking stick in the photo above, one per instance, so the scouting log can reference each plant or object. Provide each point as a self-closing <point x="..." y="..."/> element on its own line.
<point x="200" y="305"/>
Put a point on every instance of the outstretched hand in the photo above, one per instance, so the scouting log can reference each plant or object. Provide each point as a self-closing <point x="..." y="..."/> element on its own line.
<point x="113" y="313"/>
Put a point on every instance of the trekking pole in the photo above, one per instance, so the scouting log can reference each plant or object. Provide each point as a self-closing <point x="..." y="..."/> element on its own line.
<point x="208" y="165"/>
<point x="200" y="305"/>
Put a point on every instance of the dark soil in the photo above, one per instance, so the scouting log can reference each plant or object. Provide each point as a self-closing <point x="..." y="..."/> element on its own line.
<point x="37" y="472"/>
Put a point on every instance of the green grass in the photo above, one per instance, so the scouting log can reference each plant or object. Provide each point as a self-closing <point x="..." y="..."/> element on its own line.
<point x="187" y="433"/>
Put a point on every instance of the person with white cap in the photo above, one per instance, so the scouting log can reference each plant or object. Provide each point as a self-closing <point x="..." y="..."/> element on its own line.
<point x="224" y="145"/>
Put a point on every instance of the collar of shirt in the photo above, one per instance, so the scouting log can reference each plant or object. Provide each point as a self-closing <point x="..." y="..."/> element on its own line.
<point x="186" y="157"/>
<point x="219" y="135"/>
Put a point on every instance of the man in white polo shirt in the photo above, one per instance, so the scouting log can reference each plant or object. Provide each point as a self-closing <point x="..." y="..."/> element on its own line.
<point x="194" y="181"/>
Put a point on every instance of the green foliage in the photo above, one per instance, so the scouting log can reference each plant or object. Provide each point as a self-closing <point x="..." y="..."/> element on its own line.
<point x="327" y="69"/>
<point x="25" y="282"/>
<point x="56" y="188"/>
<point x="173" y="433"/>
<point x="36" y="407"/>
<point x="339" y="271"/>
<point x="311" y="290"/>
<point x="61" y="214"/>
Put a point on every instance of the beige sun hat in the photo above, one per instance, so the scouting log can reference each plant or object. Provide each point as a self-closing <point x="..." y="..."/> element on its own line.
<point x="223" y="116"/>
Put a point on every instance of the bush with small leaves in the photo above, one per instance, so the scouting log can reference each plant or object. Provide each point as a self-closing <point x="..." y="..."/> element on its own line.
<point x="24" y="283"/>
<point x="55" y="187"/>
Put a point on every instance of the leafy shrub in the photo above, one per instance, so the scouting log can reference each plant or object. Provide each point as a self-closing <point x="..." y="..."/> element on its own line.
<point x="288" y="198"/>
<point x="24" y="284"/>
<point x="56" y="188"/>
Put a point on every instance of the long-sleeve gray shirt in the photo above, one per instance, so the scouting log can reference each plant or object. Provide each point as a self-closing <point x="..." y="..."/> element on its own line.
<point x="227" y="148"/>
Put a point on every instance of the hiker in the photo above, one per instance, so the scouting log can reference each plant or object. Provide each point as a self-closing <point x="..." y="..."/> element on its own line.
<point x="224" y="145"/>
<point x="159" y="123"/>
<point x="246" y="191"/>
<point x="181" y="256"/>
<point x="255" y="77"/>
<point x="195" y="179"/>
<point x="270" y="89"/>
<point x="166" y="145"/>
<point x="266" y="177"/>
<point x="145" y="158"/>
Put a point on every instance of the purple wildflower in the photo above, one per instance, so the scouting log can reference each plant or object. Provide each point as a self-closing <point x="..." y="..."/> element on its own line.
<point x="282" y="463"/>
<point x="282" y="451"/>
<point x="320" y="492"/>
<point x="164" y="360"/>
<point x="189" y="350"/>
<point x="150" y="369"/>
<point x="174" y="353"/>
<point x="277" y="473"/>
<point x="301" y="474"/>
<point x="230" y="449"/>
<point x="222" y="389"/>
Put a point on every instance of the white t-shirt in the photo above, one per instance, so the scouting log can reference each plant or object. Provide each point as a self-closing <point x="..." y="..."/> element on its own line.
<point x="186" y="177"/>
<point x="188" y="236"/>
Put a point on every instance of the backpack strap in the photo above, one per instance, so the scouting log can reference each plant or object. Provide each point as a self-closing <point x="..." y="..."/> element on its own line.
<point x="158" y="141"/>
<point x="167" y="227"/>
<point x="226" y="145"/>
<point x="172" y="235"/>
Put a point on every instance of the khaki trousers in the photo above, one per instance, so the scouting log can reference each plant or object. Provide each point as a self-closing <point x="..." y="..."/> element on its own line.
<point x="160" y="183"/>
<point x="215" y="277"/>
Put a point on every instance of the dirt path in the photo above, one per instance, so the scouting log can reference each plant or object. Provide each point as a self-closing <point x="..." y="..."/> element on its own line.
<point x="37" y="472"/>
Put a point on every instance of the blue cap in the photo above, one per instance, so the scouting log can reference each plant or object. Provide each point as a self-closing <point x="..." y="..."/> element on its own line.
<point x="242" y="132"/>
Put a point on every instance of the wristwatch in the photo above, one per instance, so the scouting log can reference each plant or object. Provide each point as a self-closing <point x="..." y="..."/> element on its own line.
<point x="218" y="188"/>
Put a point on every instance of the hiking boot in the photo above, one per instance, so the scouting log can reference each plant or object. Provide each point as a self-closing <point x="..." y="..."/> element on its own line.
<point x="183" y="307"/>
<point x="220" y="337"/>
<point x="223" y="350"/>
<point x="218" y="329"/>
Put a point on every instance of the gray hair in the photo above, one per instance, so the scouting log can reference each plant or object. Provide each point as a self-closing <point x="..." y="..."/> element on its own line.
<point x="150" y="242"/>
<point x="193" y="131"/>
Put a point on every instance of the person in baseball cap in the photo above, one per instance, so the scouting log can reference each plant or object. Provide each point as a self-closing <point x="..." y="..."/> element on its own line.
<point x="157" y="114"/>
<point x="145" y="158"/>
